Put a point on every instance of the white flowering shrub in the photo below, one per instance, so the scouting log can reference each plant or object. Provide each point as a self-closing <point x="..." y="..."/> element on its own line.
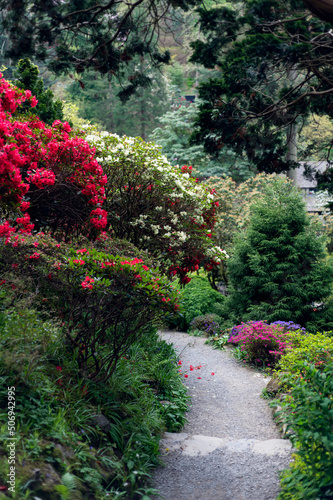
<point x="156" y="206"/>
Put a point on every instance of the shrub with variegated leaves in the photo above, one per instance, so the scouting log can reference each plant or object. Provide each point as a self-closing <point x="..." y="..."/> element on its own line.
<point x="157" y="206"/>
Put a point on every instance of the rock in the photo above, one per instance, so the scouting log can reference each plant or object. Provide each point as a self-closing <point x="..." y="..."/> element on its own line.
<point x="273" y="386"/>
<point x="64" y="453"/>
<point x="102" y="422"/>
<point x="41" y="478"/>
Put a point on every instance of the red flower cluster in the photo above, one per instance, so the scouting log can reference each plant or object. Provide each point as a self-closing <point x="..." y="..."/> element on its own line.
<point x="88" y="283"/>
<point x="34" y="155"/>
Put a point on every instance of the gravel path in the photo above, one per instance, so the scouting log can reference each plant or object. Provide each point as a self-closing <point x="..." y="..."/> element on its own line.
<point x="230" y="449"/>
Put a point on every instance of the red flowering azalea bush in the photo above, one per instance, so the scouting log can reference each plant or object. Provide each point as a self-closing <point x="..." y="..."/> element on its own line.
<point x="105" y="302"/>
<point x="156" y="206"/>
<point x="46" y="173"/>
<point x="260" y="343"/>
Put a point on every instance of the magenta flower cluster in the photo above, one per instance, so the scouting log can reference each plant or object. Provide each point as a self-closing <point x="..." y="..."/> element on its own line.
<point x="261" y="343"/>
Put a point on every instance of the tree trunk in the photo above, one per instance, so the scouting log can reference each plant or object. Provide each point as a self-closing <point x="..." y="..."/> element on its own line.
<point x="321" y="8"/>
<point x="292" y="150"/>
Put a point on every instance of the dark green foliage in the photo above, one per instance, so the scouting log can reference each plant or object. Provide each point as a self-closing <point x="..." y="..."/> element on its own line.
<point x="100" y="103"/>
<point x="81" y="35"/>
<point x="277" y="271"/>
<point x="27" y="78"/>
<point x="276" y="63"/>
<point x="174" y="136"/>
<point x="308" y="411"/>
<point x="57" y="409"/>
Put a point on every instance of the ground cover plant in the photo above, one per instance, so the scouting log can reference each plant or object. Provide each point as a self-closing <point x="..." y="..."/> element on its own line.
<point x="307" y="410"/>
<point x="61" y="430"/>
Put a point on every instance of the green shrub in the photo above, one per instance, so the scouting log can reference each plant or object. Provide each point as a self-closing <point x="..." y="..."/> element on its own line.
<point x="105" y="301"/>
<point x="304" y="347"/>
<point x="278" y="268"/>
<point x="199" y="298"/>
<point x="308" y="412"/>
<point x="209" y="324"/>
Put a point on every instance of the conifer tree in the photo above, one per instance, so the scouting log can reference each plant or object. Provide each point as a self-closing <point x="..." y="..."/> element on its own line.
<point x="27" y="78"/>
<point x="278" y="269"/>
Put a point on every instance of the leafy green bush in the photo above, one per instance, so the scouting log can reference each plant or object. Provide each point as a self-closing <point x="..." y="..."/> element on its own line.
<point x="278" y="268"/>
<point x="199" y="298"/>
<point x="313" y="348"/>
<point x="308" y="412"/>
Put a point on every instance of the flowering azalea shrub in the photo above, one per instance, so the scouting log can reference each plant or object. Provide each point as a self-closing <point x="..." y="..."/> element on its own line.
<point x="156" y="206"/>
<point x="46" y="173"/>
<point x="105" y="302"/>
<point x="261" y="344"/>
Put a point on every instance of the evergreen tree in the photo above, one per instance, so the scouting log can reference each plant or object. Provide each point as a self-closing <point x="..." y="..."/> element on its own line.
<point x="278" y="271"/>
<point x="99" y="102"/>
<point x="174" y="137"/>
<point x="276" y="63"/>
<point x="80" y="35"/>
<point x="27" y="78"/>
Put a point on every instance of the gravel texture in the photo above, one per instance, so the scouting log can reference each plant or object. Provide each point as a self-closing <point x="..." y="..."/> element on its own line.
<point x="230" y="449"/>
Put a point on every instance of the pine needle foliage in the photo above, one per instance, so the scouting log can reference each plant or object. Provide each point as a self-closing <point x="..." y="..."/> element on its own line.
<point x="279" y="270"/>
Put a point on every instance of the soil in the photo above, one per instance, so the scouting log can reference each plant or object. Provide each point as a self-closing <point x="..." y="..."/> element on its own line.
<point x="230" y="448"/>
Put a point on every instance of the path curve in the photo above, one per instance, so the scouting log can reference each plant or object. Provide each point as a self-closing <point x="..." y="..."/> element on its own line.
<point x="230" y="449"/>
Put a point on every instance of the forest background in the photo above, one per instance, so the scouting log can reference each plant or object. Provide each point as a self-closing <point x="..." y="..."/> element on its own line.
<point x="156" y="107"/>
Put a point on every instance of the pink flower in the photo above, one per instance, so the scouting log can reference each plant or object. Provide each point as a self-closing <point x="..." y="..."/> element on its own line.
<point x="212" y="373"/>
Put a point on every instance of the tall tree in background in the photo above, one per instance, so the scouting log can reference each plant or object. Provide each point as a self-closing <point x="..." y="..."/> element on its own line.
<point x="81" y="35"/>
<point x="99" y="102"/>
<point x="276" y="60"/>
<point x="174" y="136"/>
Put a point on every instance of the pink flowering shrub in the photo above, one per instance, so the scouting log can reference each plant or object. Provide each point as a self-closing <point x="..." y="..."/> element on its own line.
<point x="105" y="302"/>
<point x="261" y="344"/>
<point x="46" y="173"/>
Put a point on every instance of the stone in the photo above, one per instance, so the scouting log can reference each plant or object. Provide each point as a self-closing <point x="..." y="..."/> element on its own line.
<point x="41" y="478"/>
<point x="102" y="422"/>
<point x="273" y="386"/>
<point x="64" y="453"/>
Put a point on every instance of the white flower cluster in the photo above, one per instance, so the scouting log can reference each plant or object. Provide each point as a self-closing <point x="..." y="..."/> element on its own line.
<point x="217" y="254"/>
<point x="145" y="161"/>
<point x="322" y="199"/>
